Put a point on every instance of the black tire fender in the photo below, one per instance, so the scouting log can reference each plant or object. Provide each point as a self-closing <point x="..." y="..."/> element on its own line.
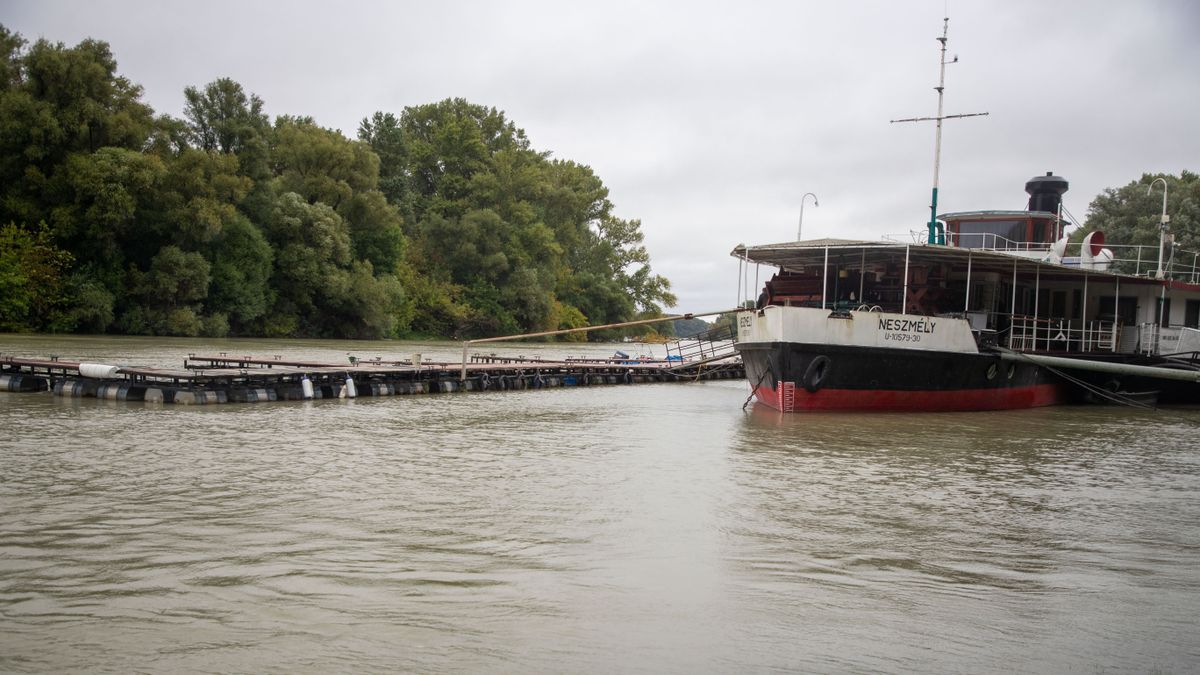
<point x="816" y="373"/>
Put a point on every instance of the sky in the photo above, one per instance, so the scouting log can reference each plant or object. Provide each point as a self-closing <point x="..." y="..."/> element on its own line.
<point x="710" y="121"/>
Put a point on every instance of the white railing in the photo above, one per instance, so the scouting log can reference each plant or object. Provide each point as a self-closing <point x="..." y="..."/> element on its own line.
<point x="1029" y="334"/>
<point x="1135" y="259"/>
<point x="1155" y="339"/>
<point x="1189" y="340"/>
<point x="993" y="242"/>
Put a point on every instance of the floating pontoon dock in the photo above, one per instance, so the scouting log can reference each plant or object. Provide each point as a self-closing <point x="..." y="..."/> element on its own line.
<point x="245" y="379"/>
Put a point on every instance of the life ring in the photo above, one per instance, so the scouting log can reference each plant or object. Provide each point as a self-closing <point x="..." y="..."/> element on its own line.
<point x="816" y="373"/>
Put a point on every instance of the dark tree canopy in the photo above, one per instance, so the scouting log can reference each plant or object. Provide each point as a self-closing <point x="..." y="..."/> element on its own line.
<point x="441" y="220"/>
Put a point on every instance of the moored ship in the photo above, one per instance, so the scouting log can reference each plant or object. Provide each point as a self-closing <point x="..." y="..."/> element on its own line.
<point x="996" y="310"/>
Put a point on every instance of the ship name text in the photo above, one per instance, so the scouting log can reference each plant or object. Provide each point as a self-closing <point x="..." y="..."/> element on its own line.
<point x="907" y="325"/>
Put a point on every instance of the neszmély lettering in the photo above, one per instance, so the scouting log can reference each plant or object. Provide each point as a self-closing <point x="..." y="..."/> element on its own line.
<point x="907" y="325"/>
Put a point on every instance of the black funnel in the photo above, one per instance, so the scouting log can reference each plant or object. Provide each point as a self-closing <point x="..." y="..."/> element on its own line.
<point x="1045" y="192"/>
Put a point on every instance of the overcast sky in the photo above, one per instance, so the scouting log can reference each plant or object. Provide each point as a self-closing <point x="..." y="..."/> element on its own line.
<point x="708" y="121"/>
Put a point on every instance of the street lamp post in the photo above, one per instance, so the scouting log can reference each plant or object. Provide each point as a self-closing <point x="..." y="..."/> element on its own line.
<point x="800" y="227"/>
<point x="1162" y="225"/>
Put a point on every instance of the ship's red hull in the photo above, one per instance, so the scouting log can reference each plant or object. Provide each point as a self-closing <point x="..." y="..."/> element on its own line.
<point x="793" y="377"/>
<point x="911" y="401"/>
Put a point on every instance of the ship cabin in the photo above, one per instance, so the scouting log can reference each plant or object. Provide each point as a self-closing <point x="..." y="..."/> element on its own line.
<point x="1020" y="278"/>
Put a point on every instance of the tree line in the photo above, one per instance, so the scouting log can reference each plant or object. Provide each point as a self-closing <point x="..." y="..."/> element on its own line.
<point x="442" y="220"/>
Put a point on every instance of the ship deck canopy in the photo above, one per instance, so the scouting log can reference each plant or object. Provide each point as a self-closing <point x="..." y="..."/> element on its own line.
<point x="795" y="256"/>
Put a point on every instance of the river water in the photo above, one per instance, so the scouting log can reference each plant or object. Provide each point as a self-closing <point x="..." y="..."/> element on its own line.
<point x="650" y="528"/>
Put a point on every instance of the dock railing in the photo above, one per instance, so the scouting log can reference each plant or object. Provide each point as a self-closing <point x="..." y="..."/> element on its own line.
<point x="713" y="344"/>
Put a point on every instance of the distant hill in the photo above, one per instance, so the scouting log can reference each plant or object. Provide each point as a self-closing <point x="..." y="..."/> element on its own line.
<point x="685" y="328"/>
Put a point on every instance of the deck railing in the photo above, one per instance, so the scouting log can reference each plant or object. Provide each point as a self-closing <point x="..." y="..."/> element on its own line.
<point x="1155" y="339"/>
<point x="1030" y="335"/>
<point x="1135" y="259"/>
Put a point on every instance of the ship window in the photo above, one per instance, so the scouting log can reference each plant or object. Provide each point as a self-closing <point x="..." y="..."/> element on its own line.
<point x="1126" y="312"/>
<point x="1164" y="312"/>
<point x="1191" y="314"/>
<point x="990" y="233"/>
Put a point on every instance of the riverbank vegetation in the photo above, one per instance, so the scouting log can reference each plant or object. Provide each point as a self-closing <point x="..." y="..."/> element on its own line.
<point x="440" y="220"/>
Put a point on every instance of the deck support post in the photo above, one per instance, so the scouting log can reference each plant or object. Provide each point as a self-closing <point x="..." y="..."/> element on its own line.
<point x="862" y="273"/>
<point x="967" y="301"/>
<point x="1012" y="308"/>
<point x="904" y="293"/>
<point x="1037" y="291"/>
<point x="825" y="278"/>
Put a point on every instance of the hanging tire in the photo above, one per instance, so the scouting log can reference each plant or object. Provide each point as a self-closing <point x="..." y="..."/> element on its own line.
<point x="816" y="373"/>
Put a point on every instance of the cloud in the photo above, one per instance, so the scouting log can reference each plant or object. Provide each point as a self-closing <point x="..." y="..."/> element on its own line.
<point x="709" y="120"/>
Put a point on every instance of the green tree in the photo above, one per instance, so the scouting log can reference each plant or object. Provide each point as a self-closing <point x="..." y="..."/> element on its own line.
<point x="1130" y="215"/>
<point x="56" y="102"/>
<point x="170" y="294"/>
<point x="320" y="164"/>
<point x="222" y="118"/>
<point x="383" y="132"/>
<point x="242" y="262"/>
<point x="446" y="144"/>
<point x="199" y="196"/>
<point x="32" y="285"/>
<point x="105" y="201"/>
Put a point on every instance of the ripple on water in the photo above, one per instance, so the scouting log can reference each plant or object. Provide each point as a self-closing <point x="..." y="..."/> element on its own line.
<point x="653" y="528"/>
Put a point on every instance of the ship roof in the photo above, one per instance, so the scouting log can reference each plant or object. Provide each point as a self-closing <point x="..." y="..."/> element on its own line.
<point x="1016" y="215"/>
<point x="796" y="255"/>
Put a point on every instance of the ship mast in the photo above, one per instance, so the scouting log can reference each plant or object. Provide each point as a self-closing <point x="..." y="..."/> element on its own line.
<point x="936" y="234"/>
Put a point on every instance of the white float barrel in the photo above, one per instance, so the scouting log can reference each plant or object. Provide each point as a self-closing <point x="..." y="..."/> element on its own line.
<point x="351" y="390"/>
<point x="98" y="371"/>
<point x="306" y="387"/>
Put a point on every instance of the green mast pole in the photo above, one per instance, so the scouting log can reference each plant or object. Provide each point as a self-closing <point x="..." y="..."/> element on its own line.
<point x="937" y="235"/>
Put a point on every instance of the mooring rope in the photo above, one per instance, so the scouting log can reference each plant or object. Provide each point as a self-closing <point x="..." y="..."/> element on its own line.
<point x="755" y="388"/>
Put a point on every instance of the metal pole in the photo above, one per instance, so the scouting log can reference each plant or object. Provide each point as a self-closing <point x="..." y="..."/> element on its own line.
<point x="862" y="271"/>
<point x="1104" y="367"/>
<point x="1162" y="225"/>
<point x="1037" y="290"/>
<point x="904" y="293"/>
<point x="967" y="302"/>
<point x="1083" y="314"/>
<point x="1116" y="312"/>
<point x="937" y="143"/>
<point x="936" y="237"/>
<point x="745" y="284"/>
<point x="800" y="226"/>
<point x="825" y="277"/>
<point x="738" y="300"/>
<point x="1013" y="305"/>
